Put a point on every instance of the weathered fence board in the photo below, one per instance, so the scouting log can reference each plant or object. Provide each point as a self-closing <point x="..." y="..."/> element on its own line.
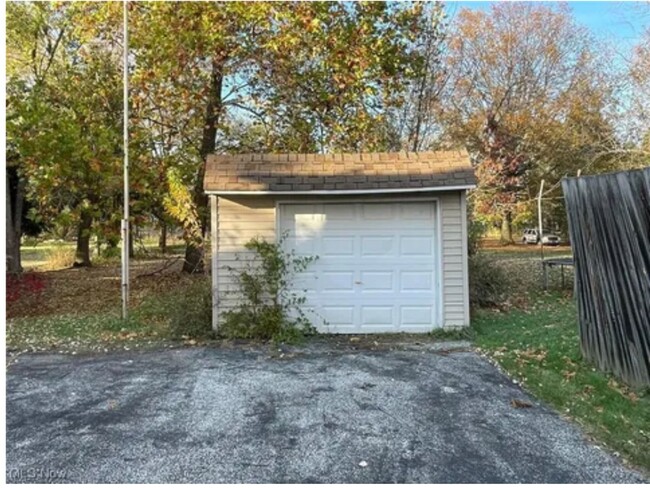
<point x="609" y="227"/>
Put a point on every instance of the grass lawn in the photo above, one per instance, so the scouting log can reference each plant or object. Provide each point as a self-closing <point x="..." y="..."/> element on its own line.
<point x="54" y="255"/>
<point x="538" y="346"/>
<point x="75" y="333"/>
<point x="155" y="311"/>
<point x="525" y="251"/>
<point x="40" y="256"/>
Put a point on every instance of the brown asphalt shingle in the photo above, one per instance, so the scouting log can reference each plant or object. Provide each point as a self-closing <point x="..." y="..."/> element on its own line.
<point x="359" y="171"/>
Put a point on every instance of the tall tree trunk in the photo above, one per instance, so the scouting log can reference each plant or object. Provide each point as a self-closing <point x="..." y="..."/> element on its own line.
<point x="162" y="241"/>
<point x="506" y="228"/>
<point x="13" y="214"/>
<point x="194" y="258"/>
<point x="82" y="254"/>
<point x="416" y="129"/>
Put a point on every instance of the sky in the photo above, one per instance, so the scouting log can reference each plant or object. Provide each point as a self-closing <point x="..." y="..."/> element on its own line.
<point x="621" y="22"/>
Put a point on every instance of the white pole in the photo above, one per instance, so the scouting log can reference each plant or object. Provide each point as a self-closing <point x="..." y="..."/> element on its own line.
<point x="125" y="220"/>
<point x="539" y="216"/>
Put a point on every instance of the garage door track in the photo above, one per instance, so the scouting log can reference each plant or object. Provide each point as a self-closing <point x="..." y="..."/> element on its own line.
<point x="215" y="415"/>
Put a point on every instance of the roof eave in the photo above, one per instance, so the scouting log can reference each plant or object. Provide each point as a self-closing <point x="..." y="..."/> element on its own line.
<point x="342" y="192"/>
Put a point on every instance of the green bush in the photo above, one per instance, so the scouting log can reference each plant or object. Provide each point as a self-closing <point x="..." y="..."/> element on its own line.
<point x="475" y="233"/>
<point x="183" y="313"/>
<point x="488" y="282"/>
<point x="111" y="252"/>
<point x="269" y="308"/>
<point x="189" y="311"/>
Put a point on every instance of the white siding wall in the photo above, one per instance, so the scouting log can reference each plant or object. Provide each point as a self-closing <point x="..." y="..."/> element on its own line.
<point x="453" y="262"/>
<point x="242" y="218"/>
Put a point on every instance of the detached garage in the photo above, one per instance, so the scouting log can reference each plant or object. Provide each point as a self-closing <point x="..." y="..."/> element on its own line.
<point x="389" y="230"/>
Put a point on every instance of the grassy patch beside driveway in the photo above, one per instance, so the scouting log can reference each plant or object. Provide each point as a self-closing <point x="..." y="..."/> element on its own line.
<point x="539" y="347"/>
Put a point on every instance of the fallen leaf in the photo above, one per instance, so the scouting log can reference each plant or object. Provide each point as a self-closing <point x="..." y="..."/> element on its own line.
<point x="568" y="375"/>
<point x="520" y="403"/>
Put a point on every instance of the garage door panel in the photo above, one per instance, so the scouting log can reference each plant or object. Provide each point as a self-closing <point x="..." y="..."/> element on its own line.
<point x="340" y="212"/>
<point x="416" y="316"/>
<point x="416" y="211"/>
<point x="416" y="246"/>
<point x="376" y="266"/>
<point x="377" y="316"/>
<point x="337" y="281"/>
<point x="339" y="316"/>
<point x="416" y="281"/>
<point x="376" y="281"/>
<point x="337" y="246"/>
<point x="380" y="245"/>
<point x="377" y="211"/>
<point x="301" y="246"/>
<point x="306" y="282"/>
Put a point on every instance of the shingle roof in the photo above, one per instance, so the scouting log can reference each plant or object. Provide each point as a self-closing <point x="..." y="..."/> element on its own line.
<point x="337" y="172"/>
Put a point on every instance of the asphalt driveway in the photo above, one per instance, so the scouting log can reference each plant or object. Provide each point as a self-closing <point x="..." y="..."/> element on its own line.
<point x="215" y="415"/>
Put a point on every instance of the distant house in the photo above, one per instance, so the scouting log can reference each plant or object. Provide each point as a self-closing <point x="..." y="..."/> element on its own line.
<point x="389" y="230"/>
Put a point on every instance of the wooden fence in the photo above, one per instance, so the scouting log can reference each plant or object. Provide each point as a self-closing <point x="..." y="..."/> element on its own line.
<point x="609" y="226"/>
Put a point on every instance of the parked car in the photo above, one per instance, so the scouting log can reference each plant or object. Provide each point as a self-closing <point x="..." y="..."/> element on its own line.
<point x="531" y="236"/>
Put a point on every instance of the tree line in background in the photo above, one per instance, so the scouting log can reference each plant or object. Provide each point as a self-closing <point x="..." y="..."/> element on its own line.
<point x="530" y="93"/>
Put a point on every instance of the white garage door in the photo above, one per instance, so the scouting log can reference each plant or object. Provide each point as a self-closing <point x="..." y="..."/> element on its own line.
<point x="377" y="264"/>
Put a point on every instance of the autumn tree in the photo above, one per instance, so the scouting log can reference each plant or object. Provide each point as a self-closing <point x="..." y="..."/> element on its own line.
<point x="64" y="117"/>
<point x="33" y="42"/>
<point x="416" y="123"/>
<point x="526" y="96"/>
<point x="349" y="64"/>
<point x="188" y="56"/>
<point x="639" y="75"/>
<point x="219" y="76"/>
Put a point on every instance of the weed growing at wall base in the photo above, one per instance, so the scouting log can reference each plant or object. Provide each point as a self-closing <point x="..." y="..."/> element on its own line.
<point x="269" y="307"/>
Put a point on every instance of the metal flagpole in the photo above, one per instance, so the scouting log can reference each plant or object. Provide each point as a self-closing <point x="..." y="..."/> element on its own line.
<point x="539" y="218"/>
<point x="125" y="220"/>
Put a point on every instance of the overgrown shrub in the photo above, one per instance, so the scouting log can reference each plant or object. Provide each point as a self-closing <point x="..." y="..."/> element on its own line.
<point x="488" y="282"/>
<point x="189" y="311"/>
<point x="269" y="308"/>
<point x="475" y="233"/>
<point x="111" y="252"/>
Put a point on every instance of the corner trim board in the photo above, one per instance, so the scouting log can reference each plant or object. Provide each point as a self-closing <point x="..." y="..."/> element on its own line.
<point x="463" y="216"/>
<point x="214" y="245"/>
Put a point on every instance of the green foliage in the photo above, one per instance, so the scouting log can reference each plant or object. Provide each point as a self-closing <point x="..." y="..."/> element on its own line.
<point x="180" y="205"/>
<point x="539" y="347"/>
<point x="189" y="311"/>
<point x="349" y="64"/>
<point x="74" y="332"/>
<point x="488" y="281"/>
<point x="476" y="230"/>
<point x="270" y="308"/>
<point x="185" y="313"/>
<point x="66" y="141"/>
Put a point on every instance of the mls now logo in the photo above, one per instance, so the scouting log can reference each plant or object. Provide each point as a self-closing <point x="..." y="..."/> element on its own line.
<point x="33" y="474"/>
